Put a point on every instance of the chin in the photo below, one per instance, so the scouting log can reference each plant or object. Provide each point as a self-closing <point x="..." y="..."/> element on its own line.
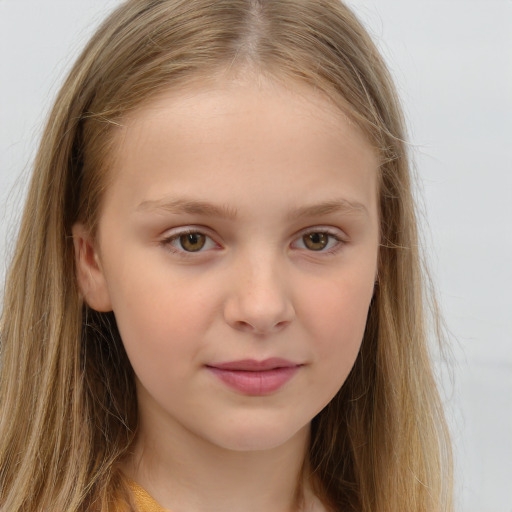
<point x="260" y="437"/>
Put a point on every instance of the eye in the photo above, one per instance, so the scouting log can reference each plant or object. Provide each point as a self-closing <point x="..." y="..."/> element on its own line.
<point x="189" y="241"/>
<point x="319" y="241"/>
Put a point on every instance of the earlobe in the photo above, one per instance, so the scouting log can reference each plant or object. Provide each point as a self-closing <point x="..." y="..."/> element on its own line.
<point x="89" y="273"/>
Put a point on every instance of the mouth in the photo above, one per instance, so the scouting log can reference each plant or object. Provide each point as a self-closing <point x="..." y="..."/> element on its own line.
<point x="253" y="377"/>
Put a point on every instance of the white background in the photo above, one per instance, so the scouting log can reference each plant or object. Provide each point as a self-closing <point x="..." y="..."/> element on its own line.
<point x="452" y="60"/>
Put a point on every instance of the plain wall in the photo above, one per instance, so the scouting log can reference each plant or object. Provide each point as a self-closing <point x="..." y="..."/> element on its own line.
<point x="452" y="60"/>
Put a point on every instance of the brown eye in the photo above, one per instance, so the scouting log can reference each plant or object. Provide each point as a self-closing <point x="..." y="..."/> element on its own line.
<point x="192" y="242"/>
<point x="316" y="241"/>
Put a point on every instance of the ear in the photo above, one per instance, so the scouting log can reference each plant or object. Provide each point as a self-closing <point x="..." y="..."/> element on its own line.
<point x="90" y="276"/>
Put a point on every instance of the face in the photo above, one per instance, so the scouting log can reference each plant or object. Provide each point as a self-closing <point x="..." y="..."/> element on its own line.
<point x="237" y="247"/>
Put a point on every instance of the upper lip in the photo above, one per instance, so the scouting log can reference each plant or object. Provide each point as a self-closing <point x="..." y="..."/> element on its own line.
<point x="253" y="365"/>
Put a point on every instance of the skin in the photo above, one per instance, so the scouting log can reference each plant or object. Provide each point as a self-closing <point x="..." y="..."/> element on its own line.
<point x="254" y="167"/>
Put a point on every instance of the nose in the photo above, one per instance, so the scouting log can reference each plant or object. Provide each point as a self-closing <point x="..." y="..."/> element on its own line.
<point x="259" y="299"/>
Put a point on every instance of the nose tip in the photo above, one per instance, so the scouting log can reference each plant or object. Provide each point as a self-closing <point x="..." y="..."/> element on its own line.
<point x="259" y="304"/>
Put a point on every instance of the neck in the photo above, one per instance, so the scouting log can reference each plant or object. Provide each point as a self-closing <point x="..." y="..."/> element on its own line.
<point x="184" y="472"/>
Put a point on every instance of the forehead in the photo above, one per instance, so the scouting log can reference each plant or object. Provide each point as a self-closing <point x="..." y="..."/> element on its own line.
<point x="242" y="133"/>
<point x="232" y="93"/>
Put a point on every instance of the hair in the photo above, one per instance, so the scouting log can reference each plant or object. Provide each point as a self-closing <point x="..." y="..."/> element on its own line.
<point x="67" y="391"/>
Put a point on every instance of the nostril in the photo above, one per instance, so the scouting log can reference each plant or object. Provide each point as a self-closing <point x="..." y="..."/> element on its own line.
<point x="243" y="326"/>
<point x="258" y="329"/>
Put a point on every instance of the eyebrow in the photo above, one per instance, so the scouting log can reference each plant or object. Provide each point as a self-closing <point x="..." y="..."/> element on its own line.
<point x="188" y="206"/>
<point x="195" y="207"/>
<point x="328" y="207"/>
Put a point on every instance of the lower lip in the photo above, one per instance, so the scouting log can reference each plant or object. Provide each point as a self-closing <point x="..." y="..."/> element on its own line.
<point x="256" y="383"/>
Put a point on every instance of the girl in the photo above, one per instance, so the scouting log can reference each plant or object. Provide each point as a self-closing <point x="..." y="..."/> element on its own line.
<point x="216" y="299"/>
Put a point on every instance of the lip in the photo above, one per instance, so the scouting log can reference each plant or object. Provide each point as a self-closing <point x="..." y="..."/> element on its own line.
<point x="253" y="377"/>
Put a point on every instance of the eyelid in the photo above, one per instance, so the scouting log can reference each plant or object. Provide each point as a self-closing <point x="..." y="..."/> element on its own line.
<point x="176" y="233"/>
<point x="336" y="233"/>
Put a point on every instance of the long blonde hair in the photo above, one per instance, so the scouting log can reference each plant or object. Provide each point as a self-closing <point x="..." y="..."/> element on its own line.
<point x="66" y="387"/>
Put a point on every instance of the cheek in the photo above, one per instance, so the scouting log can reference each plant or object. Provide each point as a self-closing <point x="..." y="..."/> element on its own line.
<point x="337" y="320"/>
<point x="333" y="317"/>
<point x="158" y="319"/>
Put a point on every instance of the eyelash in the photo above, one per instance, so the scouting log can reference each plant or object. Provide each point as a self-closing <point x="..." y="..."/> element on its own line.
<point x="339" y="241"/>
<point x="175" y="237"/>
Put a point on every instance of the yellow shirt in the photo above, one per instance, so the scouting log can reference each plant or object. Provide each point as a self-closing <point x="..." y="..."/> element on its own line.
<point x="144" y="502"/>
